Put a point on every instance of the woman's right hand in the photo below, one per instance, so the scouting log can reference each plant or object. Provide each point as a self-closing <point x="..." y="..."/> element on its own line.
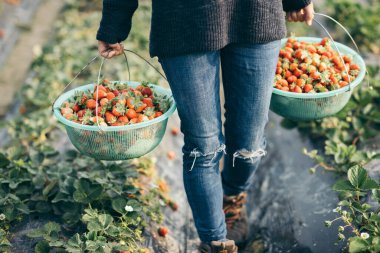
<point x="305" y="14"/>
<point x="108" y="50"/>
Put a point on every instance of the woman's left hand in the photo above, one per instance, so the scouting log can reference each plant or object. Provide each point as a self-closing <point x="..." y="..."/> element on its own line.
<point x="305" y="14"/>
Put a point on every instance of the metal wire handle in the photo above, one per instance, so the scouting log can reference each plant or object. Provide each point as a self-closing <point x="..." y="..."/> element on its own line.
<point x="340" y="55"/>
<point x="129" y="78"/>
<point x="142" y="58"/>
<point x="99" y="75"/>
<point x="75" y="77"/>
<point x="97" y="93"/>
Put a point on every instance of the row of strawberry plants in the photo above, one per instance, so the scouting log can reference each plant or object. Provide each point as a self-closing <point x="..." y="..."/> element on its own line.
<point x="93" y="206"/>
<point x="346" y="140"/>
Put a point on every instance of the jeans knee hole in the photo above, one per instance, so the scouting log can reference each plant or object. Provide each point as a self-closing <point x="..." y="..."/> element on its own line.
<point x="213" y="154"/>
<point x="248" y="155"/>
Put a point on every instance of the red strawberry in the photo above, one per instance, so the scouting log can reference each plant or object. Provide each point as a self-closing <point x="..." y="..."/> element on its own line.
<point x="139" y="87"/>
<point x="119" y="100"/>
<point x="116" y="93"/>
<point x="83" y="99"/>
<point x="133" y="121"/>
<point x="101" y="110"/>
<point x="175" y="131"/>
<point x="95" y="119"/>
<point x="131" y="114"/>
<point x="354" y="67"/>
<point x="105" y="81"/>
<point x="22" y="109"/>
<point x="148" y="102"/>
<point x="118" y="110"/>
<point x="81" y="113"/>
<point x="146" y="91"/>
<point x="131" y="102"/>
<point x="111" y="95"/>
<point x="140" y="107"/>
<point x="173" y="205"/>
<point x="76" y="108"/>
<point x="117" y="124"/>
<point x="101" y="94"/>
<point x="171" y="155"/>
<point x="158" y="114"/>
<point x="123" y="119"/>
<point x="91" y="104"/>
<point x="103" y="102"/>
<point x="101" y="87"/>
<point x="297" y="89"/>
<point x="142" y="118"/>
<point x="66" y="110"/>
<point x="163" y="231"/>
<point x="307" y="88"/>
<point x="70" y="116"/>
<point x="110" y="118"/>
<point x="149" y="111"/>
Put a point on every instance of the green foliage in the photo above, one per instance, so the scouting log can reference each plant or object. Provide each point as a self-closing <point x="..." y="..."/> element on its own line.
<point x="96" y="206"/>
<point x="357" y="181"/>
<point x="362" y="21"/>
<point x="363" y="219"/>
<point x="344" y="138"/>
<point x="78" y="191"/>
<point x="341" y="134"/>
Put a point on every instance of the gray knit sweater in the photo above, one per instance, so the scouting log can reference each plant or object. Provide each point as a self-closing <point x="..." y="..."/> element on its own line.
<point x="189" y="26"/>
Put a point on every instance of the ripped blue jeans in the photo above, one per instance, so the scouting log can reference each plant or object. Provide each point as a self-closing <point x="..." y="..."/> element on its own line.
<point x="247" y="72"/>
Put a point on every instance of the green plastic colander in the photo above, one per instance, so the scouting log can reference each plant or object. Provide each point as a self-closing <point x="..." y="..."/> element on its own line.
<point x="116" y="142"/>
<point x="306" y="106"/>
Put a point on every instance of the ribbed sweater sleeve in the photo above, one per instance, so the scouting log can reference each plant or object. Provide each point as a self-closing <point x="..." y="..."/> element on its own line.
<point x="116" y="20"/>
<point x="294" y="5"/>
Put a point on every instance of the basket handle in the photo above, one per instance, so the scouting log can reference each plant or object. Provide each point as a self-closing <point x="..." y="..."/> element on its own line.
<point x="142" y="58"/>
<point x="95" y="58"/>
<point x="99" y="74"/>
<point x="340" y="54"/>
<point x="129" y="78"/>
<point x="75" y="77"/>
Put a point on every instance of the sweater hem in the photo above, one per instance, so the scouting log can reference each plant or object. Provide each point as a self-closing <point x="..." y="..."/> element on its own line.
<point x="212" y="27"/>
<point x="204" y="49"/>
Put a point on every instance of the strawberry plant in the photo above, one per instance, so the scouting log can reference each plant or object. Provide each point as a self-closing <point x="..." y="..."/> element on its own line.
<point x="360" y="218"/>
<point x="105" y="198"/>
<point x="362" y="19"/>
<point x="92" y="206"/>
<point x="345" y="140"/>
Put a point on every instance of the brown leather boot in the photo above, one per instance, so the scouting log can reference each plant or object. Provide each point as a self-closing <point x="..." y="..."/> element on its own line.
<point x="236" y="218"/>
<point x="219" y="247"/>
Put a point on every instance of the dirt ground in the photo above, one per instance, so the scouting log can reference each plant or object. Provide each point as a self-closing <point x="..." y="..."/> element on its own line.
<point x="15" y="68"/>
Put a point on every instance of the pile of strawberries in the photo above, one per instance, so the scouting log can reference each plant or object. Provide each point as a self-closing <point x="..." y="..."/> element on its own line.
<point x="117" y="104"/>
<point x="305" y="67"/>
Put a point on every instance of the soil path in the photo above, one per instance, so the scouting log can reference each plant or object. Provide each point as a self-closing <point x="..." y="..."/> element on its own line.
<point x="14" y="71"/>
<point x="287" y="205"/>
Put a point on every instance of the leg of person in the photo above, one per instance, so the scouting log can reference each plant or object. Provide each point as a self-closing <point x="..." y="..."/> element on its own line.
<point x="248" y="72"/>
<point x="194" y="81"/>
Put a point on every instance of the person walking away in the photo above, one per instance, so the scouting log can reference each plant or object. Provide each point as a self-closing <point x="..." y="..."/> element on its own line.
<point x="192" y="39"/>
